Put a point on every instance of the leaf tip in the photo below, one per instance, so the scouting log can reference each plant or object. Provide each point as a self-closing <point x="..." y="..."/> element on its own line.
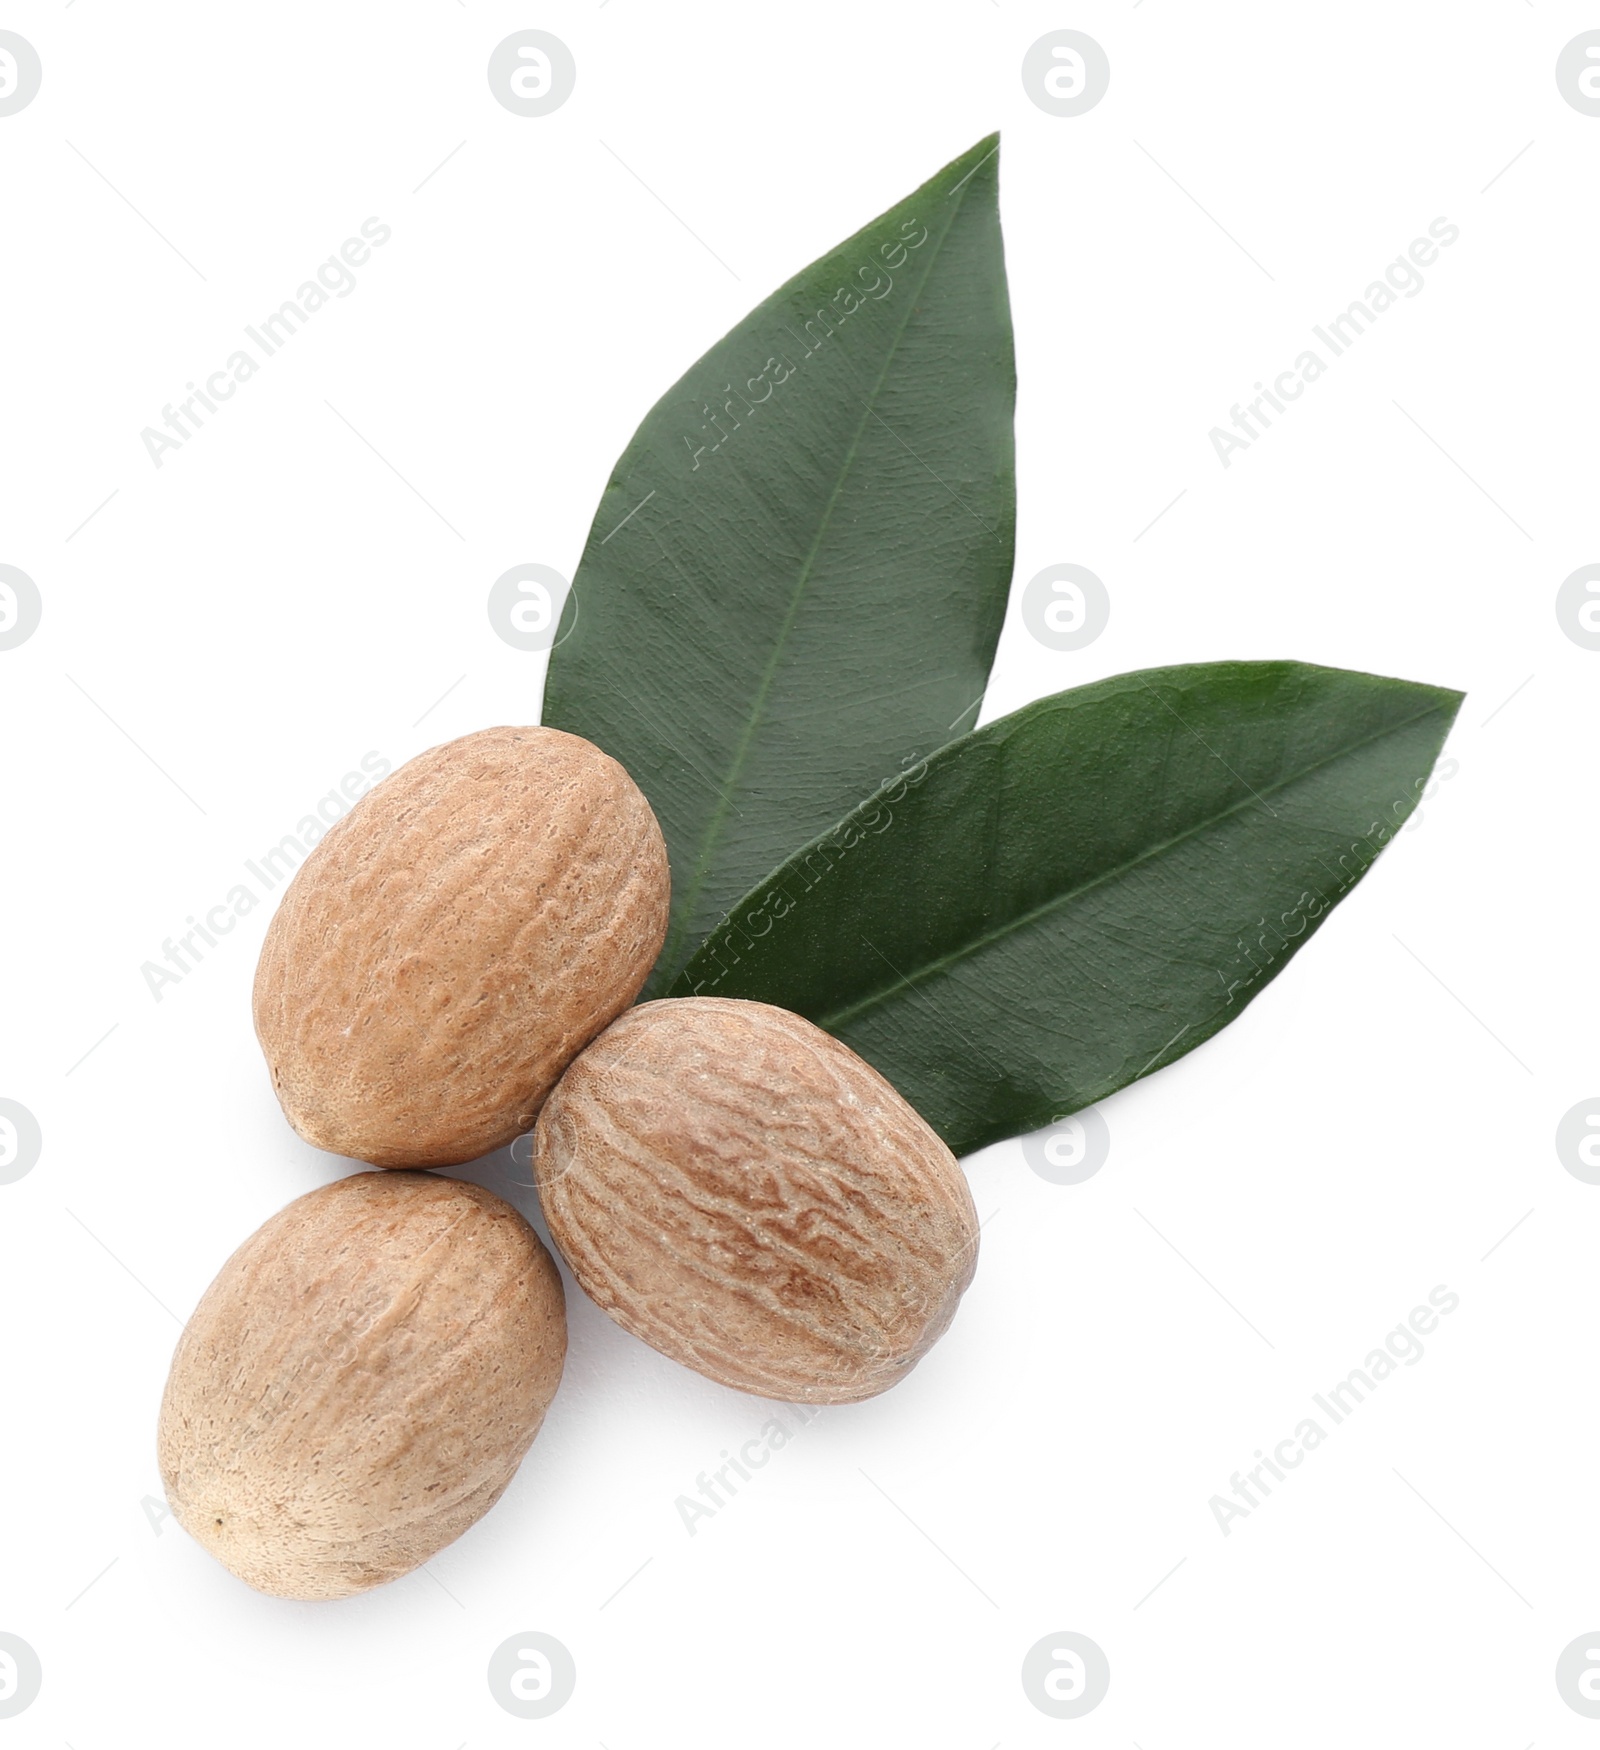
<point x="984" y="152"/>
<point x="1450" y="699"/>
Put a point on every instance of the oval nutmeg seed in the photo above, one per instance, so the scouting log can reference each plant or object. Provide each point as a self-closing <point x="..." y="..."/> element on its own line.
<point x="748" y="1196"/>
<point x="360" y="1382"/>
<point x="454" y="941"/>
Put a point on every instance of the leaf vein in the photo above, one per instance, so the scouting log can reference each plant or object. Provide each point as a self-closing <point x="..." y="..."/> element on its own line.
<point x="941" y="963"/>
<point x="714" y="827"/>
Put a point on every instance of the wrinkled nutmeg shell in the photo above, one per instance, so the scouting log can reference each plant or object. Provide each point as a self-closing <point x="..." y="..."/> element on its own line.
<point x="360" y="1382"/>
<point x="752" y="1199"/>
<point x="454" y="941"/>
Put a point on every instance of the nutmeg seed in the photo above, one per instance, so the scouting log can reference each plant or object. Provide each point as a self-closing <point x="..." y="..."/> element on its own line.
<point x="748" y="1196"/>
<point x="360" y="1382"/>
<point x="454" y="941"/>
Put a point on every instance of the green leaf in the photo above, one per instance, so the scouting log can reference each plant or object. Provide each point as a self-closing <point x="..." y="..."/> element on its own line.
<point x="794" y="585"/>
<point x="1075" y="895"/>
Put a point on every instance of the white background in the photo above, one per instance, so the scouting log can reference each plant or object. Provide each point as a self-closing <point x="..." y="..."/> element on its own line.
<point x="227" y="635"/>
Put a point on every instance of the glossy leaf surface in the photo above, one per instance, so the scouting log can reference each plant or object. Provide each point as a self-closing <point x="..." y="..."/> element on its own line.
<point x="798" y="571"/>
<point x="1071" y="897"/>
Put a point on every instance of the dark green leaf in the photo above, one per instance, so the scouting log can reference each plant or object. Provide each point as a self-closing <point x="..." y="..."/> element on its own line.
<point x="794" y="585"/>
<point x="1067" y="899"/>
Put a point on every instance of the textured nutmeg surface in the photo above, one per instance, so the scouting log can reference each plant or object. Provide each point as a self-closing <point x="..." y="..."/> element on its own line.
<point x="443" y="954"/>
<point x="748" y="1196"/>
<point x="360" y="1382"/>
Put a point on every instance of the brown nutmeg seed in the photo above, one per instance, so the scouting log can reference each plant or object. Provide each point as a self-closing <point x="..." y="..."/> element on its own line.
<point x="454" y="941"/>
<point x="360" y="1382"/>
<point x="752" y="1199"/>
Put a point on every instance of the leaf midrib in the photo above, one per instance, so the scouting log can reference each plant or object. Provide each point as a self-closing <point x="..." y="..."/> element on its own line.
<point x="741" y="751"/>
<point x="832" y="1022"/>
